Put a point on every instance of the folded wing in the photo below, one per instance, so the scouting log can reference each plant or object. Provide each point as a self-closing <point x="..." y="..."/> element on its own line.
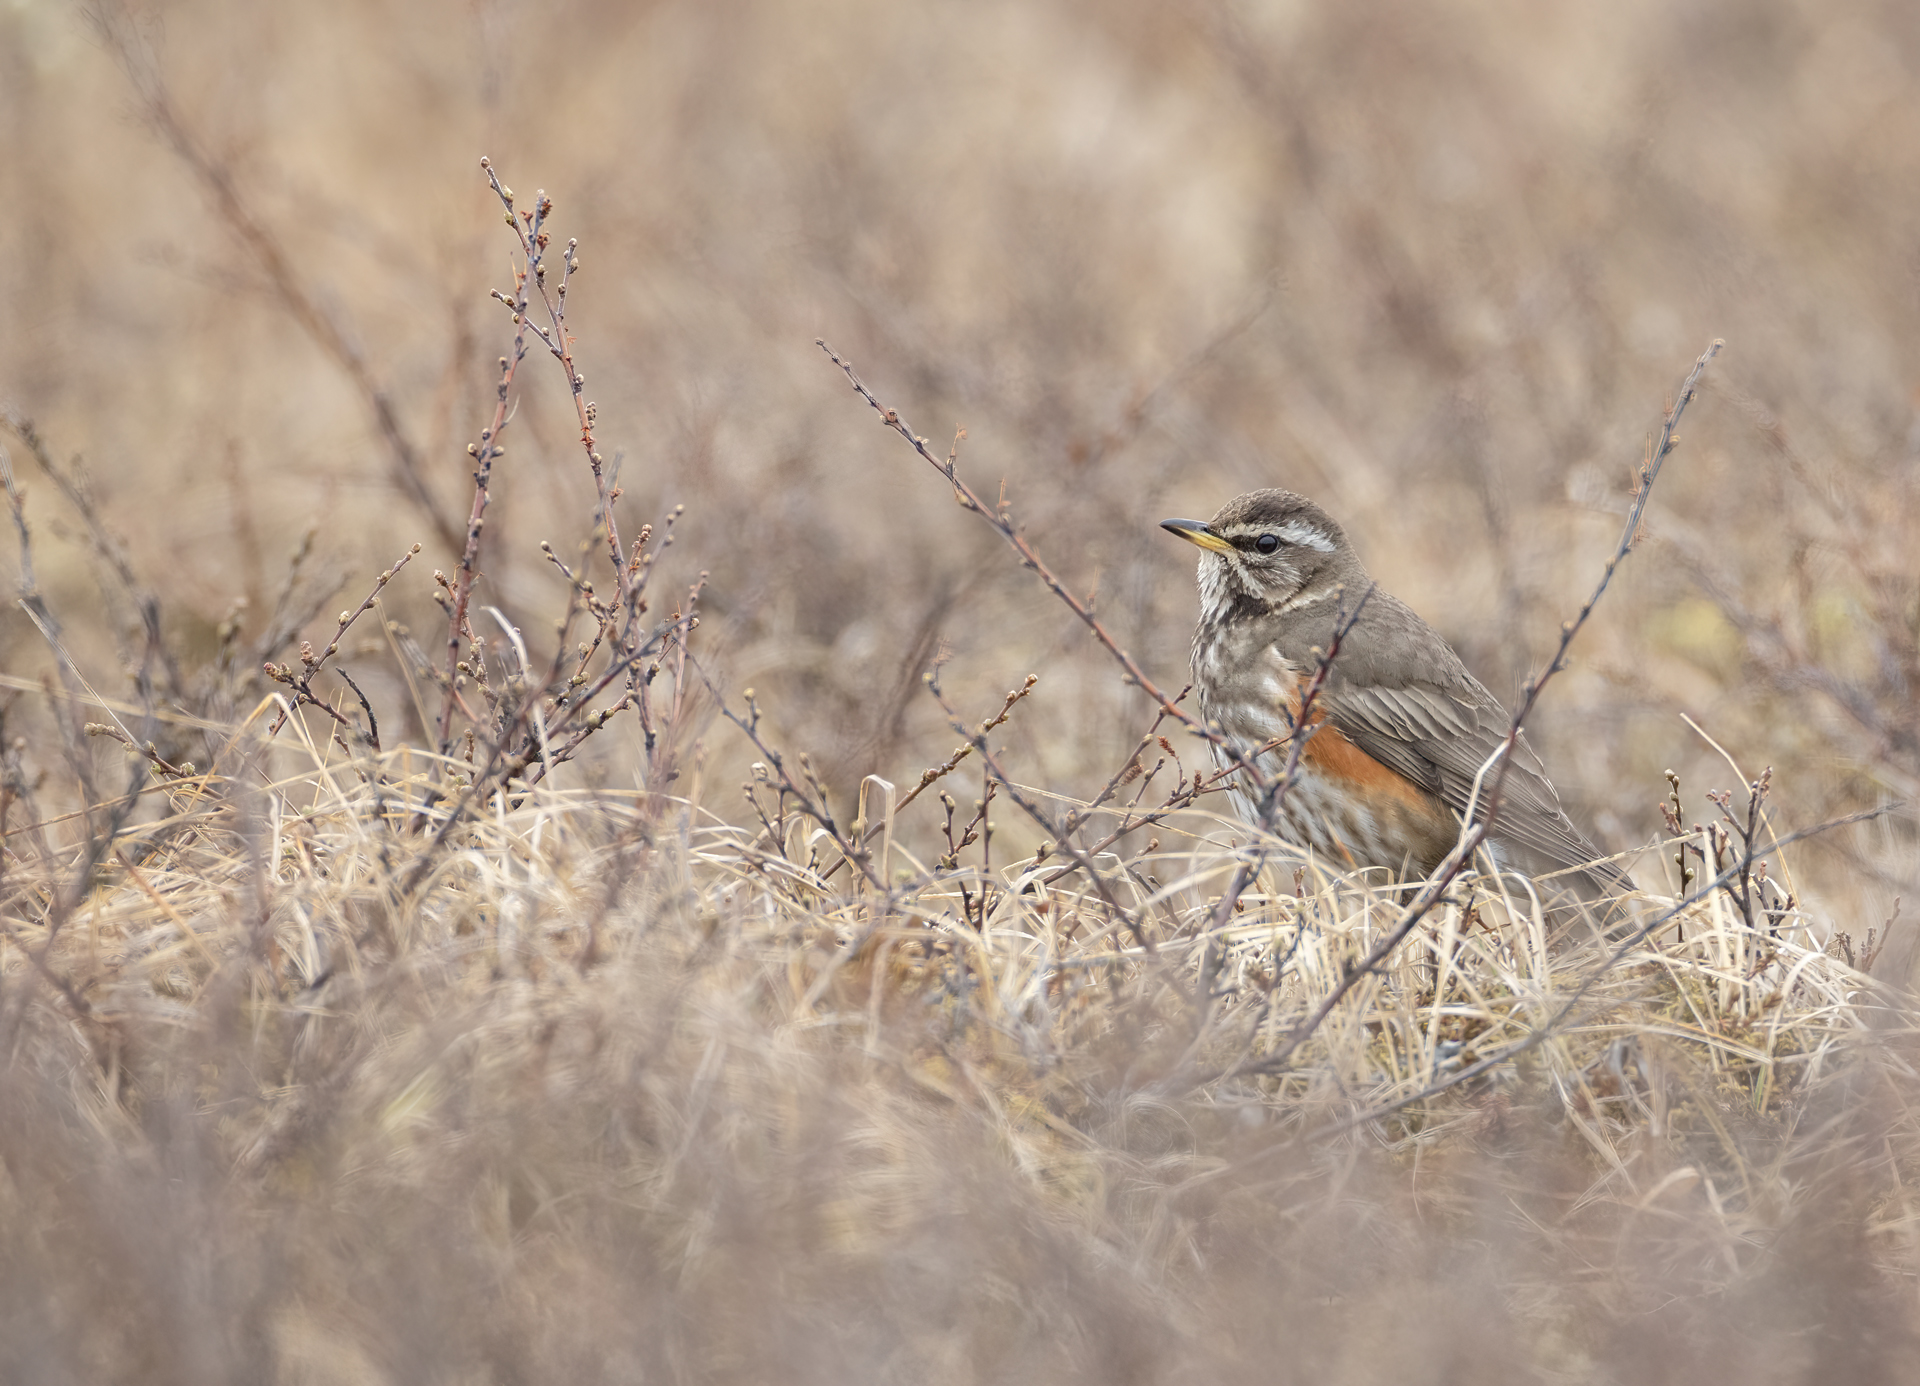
<point x="1439" y="738"/>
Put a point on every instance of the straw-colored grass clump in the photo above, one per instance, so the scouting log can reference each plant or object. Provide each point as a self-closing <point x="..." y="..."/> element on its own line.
<point x="620" y="1077"/>
<point x="1021" y="984"/>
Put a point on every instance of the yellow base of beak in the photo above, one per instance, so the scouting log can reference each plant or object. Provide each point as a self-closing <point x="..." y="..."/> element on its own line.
<point x="1197" y="532"/>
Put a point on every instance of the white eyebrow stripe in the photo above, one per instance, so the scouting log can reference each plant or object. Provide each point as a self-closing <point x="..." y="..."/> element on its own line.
<point x="1306" y="535"/>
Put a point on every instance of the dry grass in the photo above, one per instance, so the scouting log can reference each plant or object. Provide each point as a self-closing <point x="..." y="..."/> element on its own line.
<point x="309" y="1126"/>
<point x="511" y="1042"/>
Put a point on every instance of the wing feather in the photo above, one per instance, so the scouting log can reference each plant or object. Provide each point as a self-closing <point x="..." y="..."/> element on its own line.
<point x="1439" y="738"/>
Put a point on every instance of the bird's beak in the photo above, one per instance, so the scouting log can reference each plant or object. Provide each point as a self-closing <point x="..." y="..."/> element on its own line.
<point x="1197" y="532"/>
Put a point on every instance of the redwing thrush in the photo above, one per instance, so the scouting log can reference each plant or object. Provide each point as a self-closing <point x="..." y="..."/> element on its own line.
<point x="1399" y="729"/>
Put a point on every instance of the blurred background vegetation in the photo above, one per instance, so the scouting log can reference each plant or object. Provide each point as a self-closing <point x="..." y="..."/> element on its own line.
<point x="1437" y="265"/>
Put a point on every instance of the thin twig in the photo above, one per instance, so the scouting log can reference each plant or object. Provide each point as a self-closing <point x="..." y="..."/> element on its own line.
<point x="1000" y="518"/>
<point x="301" y="680"/>
<point x="216" y="180"/>
<point x="1026" y="803"/>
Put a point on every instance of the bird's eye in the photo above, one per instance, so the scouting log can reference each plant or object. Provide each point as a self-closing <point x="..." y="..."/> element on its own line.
<point x="1267" y="543"/>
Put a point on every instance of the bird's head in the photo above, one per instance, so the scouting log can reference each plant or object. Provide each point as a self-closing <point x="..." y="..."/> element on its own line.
<point x="1273" y="547"/>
